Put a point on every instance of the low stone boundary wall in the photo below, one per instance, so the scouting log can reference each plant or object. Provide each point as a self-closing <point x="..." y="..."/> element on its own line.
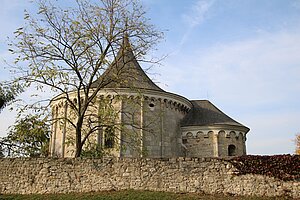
<point x="208" y="175"/>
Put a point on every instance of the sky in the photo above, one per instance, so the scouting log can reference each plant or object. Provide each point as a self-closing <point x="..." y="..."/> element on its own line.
<point x="242" y="55"/>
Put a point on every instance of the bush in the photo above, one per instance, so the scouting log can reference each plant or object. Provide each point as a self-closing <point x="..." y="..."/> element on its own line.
<point x="284" y="167"/>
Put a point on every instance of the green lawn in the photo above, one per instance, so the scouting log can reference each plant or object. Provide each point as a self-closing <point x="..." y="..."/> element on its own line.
<point x="129" y="195"/>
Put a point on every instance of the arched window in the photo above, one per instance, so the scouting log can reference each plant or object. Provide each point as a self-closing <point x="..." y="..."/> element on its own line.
<point x="231" y="150"/>
<point x="232" y="133"/>
<point x="189" y="135"/>
<point x="209" y="134"/>
<point x="221" y="132"/>
<point x="152" y="106"/>
<point x="109" y="137"/>
<point x="199" y="134"/>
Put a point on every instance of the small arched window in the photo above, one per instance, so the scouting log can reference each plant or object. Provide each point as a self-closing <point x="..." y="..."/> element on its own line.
<point x="189" y="135"/>
<point x="151" y="106"/>
<point x="109" y="137"/>
<point x="199" y="134"/>
<point x="231" y="150"/>
<point x="221" y="132"/>
<point x="233" y="133"/>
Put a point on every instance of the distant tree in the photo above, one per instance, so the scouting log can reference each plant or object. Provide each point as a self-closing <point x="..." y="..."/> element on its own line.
<point x="69" y="49"/>
<point x="8" y="93"/>
<point x="28" y="137"/>
<point x="297" y="144"/>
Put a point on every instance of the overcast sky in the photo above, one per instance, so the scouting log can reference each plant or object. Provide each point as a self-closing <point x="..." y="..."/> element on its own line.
<point x="242" y="55"/>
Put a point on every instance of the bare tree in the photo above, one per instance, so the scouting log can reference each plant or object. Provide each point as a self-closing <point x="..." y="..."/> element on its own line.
<point x="69" y="49"/>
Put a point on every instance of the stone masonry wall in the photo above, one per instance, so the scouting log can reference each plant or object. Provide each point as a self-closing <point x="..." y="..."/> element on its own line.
<point x="209" y="175"/>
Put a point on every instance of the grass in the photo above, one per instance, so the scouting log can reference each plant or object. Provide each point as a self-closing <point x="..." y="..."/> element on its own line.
<point x="129" y="195"/>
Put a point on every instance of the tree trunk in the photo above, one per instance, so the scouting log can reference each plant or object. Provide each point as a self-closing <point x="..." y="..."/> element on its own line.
<point x="78" y="150"/>
<point x="78" y="144"/>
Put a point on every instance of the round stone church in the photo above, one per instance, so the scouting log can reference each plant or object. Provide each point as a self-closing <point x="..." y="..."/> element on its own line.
<point x="146" y="121"/>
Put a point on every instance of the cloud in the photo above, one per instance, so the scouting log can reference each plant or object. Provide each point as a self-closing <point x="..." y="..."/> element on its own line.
<point x="197" y="13"/>
<point x="255" y="81"/>
<point x="260" y="70"/>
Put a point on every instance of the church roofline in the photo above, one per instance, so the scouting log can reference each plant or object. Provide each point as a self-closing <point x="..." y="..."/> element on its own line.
<point x="204" y="113"/>
<point x="144" y="92"/>
<point x="125" y="71"/>
<point x="215" y="126"/>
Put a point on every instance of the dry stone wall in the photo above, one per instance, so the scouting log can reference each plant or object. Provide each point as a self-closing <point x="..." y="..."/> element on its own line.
<point x="209" y="175"/>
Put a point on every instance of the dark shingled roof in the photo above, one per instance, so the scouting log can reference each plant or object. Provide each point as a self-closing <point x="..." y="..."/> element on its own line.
<point x="204" y="113"/>
<point x="125" y="72"/>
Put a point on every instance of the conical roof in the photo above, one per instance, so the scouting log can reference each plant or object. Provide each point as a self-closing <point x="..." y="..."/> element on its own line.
<point x="204" y="113"/>
<point x="125" y="72"/>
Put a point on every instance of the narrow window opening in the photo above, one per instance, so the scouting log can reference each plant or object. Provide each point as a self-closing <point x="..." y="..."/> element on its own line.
<point x="109" y="137"/>
<point x="231" y="150"/>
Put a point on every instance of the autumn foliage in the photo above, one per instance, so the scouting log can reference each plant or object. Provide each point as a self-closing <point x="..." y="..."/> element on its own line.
<point x="284" y="167"/>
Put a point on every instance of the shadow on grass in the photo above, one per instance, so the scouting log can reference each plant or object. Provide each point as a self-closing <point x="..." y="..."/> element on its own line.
<point x="130" y="195"/>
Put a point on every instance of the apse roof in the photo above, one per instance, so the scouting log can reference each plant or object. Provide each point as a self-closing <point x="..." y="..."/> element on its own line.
<point x="204" y="113"/>
<point x="125" y="72"/>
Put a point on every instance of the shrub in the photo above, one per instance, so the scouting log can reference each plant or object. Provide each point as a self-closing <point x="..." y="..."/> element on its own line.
<point x="284" y="167"/>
